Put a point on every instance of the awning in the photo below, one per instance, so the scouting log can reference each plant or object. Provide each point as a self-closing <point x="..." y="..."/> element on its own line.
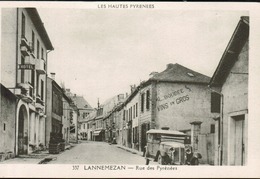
<point x="97" y="132"/>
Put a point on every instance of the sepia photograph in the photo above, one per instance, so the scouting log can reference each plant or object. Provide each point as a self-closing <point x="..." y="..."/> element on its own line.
<point x="130" y="87"/>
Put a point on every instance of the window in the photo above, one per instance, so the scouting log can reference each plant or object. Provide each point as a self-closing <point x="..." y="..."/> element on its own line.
<point x="42" y="86"/>
<point x="147" y="99"/>
<point x="136" y="110"/>
<point x="124" y="117"/>
<point x="84" y="126"/>
<point x="23" y="25"/>
<point x="212" y="128"/>
<point x="33" y="42"/>
<point x="32" y="78"/>
<point x="4" y="127"/>
<point x="38" y="49"/>
<point x="215" y="102"/>
<point x="125" y="113"/>
<point x="42" y="54"/>
<point x="129" y="113"/>
<point x="142" y="102"/>
<point x="22" y="70"/>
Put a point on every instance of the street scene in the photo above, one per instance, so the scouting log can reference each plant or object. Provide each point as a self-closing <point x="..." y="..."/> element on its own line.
<point x="105" y="154"/>
<point x="118" y="86"/>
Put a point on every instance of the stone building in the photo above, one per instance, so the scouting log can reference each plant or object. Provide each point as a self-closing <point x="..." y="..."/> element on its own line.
<point x="230" y="81"/>
<point x="109" y="116"/>
<point x="84" y="109"/>
<point x="66" y="117"/>
<point x="25" y="45"/>
<point x="87" y="127"/>
<point x="7" y="123"/>
<point x="131" y="123"/>
<point x="98" y="125"/>
<point x="54" y="109"/>
<point x="177" y="98"/>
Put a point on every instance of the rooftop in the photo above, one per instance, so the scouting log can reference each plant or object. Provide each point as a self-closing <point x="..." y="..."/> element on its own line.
<point x="36" y="19"/>
<point x="81" y="102"/>
<point x="178" y="73"/>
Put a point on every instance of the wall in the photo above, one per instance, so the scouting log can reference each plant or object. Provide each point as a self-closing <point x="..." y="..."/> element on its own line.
<point x="235" y="92"/>
<point x="8" y="117"/>
<point x="179" y="104"/>
<point x="66" y="120"/>
<point x="8" y="47"/>
<point x="131" y="106"/>
<point x="48" y="104"/>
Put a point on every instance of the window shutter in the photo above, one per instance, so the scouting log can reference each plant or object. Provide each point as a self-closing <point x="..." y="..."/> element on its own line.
<point x="215" y="102"/>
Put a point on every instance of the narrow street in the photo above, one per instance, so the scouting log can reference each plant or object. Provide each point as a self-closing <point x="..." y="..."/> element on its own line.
<point x="89" y="152"/>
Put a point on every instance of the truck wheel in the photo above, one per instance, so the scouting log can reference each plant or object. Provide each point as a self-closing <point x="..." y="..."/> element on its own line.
<point x="161" y="160"/>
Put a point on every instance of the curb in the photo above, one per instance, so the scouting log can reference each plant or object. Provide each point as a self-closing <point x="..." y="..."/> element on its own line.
<point x="50" y="157"/>
<point x="129" y="150"/>
<point x="46" y="160"/>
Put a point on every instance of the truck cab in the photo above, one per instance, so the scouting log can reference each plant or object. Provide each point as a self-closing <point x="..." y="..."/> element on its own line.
<point x="165" y="146"/>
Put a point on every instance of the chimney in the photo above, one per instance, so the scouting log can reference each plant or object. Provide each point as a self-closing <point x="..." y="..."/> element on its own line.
<point x="170" y="65"/>
<point x="53" y="76"/>
<point x="133" y="87"/>
<point x="152" y="74"/>
<point x="126" y="95"/>
<point x="68" y="90"/>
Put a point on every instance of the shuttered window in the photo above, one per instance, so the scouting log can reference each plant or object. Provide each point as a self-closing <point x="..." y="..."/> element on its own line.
<point x="215" y="102"/>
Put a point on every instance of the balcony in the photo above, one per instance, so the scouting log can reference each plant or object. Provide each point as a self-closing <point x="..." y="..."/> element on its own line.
<point x="29" y="60"/>
<point x="25" y="47"/>
<point x="25" y="92"/>
<point x="40" y="66"/>
<point x="25" y="51"/>
<point x="39" y="103"/>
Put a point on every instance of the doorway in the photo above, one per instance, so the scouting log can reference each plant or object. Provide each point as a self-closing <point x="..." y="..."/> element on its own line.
<point x="22" y="131"/>
<point x="237" y="140"/>
<point x="144" y="128"/>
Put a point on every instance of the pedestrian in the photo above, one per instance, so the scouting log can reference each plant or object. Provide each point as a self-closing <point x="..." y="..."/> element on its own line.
<point x="195" y="159"/>
<point x="189" y="155"/>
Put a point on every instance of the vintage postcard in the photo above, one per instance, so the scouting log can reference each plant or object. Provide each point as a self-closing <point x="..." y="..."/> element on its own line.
<point x="129" y="89"/>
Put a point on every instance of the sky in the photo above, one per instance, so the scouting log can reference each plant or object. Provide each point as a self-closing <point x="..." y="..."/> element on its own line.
<point x="99" y="53"/>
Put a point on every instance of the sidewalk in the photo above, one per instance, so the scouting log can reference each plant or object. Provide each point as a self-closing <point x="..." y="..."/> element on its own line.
<point x="133" y="151"/>
<point x="35" y="158"/>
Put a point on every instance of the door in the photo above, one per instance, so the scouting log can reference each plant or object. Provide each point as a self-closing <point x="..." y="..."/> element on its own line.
<point x="143" y="136"/>
<point x="20" y="134"/>
<point x="239" y="140"/>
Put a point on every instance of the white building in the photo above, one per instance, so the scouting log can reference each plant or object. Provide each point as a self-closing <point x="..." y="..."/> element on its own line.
<point x="25" y="45"/>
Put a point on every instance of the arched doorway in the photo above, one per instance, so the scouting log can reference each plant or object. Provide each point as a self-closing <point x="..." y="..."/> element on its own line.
<point x="22" y="131"/>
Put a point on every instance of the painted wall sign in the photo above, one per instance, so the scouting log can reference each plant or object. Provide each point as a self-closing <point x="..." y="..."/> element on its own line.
<point x="180" y="98"/>
<point x="26" y="66"/>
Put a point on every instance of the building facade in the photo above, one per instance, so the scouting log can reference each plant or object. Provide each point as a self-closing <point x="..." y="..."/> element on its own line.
<point x="7" y="123"/>
<point x="230" y="81"/>
<point x="54" y="109"/>
<point x="25" y="45"/>
<point x="84" y="109"/>
<point x="66" y="117"/>
<point x="109" y="116"/>
<point x="177" y="98"/>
